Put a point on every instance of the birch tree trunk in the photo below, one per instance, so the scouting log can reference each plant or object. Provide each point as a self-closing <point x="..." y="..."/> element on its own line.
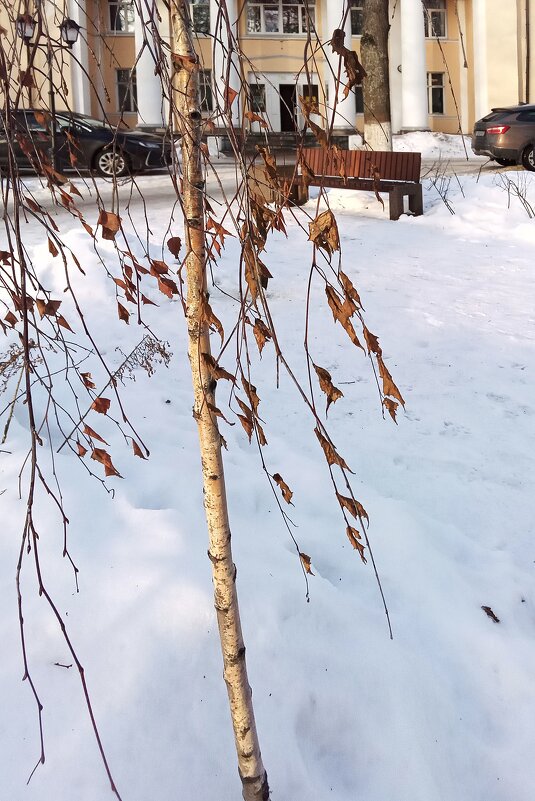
<point x="250" y="766"/>
<point x="376" y="85"/>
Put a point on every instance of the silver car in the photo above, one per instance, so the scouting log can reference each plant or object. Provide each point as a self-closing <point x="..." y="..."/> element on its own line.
<point x="507" y="135"/>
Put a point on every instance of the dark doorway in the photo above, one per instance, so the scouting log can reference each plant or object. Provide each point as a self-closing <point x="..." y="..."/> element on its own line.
<point x="288" y="98"/>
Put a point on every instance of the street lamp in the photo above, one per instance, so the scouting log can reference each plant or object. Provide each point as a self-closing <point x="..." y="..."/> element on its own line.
<point x="69" y="31"/>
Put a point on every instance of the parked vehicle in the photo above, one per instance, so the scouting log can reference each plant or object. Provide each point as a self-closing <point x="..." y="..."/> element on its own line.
<point x="507" y="135"/>
<point x="81" y="143"/>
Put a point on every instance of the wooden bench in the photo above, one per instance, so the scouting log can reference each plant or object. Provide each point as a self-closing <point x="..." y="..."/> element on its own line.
<point x="370" y="171"/>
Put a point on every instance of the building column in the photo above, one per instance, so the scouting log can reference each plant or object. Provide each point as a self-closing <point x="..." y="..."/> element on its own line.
<point x="225" y="64"/>
<point x="80" y="85"/>
<point x="413" y="67"/>
<point x="344" y="114"/>
<point x="149" y="87"/>
<point x="481" y="87"/>
<point x="463" y="67"/>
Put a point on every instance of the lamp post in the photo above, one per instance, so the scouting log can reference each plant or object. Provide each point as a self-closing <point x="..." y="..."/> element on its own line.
<point x="69" y="31"/>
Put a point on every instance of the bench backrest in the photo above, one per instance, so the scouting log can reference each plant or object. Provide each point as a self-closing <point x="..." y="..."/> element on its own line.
<point x="361" y="164"/>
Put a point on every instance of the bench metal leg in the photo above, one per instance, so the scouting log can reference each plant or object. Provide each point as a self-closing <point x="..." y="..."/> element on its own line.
<point x="396" y="202"/>
<point x="299" y="194"/>
<point x="416" y="201"/>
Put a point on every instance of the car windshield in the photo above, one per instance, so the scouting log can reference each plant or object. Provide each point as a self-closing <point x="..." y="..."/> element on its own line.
<point x="82" y="120"/>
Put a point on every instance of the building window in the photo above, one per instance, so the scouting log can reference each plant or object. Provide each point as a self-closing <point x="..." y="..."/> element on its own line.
<point x="435" y="92"/>
<point x="257" y="93"/>
<point x="359" y="99"/>
<point x="357" y="12"/>
<point x="200" y="16"/>
<point x="285" y="16"/>
<point x="126" y="91"/>
<point x="121" y="16"/>
<point x="206" y="98"/>
<point x="435" y="18"/>
<point x="311" y="97"/>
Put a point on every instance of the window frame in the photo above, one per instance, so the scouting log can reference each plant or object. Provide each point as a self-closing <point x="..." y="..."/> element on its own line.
<point x="131" y="90"/>
<point x="435" y="12"/>
<point x="356" y="6"/>
<point x="257" y="90"/>
<point x="279" y="4"/>
<point x="206" y="92"/>
<point x="198" y="3"/>
<point x="129" y="31"/>
<point x="430" y="88"/>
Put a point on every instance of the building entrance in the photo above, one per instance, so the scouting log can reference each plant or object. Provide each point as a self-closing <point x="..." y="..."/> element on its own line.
<point x="288" y="109"/>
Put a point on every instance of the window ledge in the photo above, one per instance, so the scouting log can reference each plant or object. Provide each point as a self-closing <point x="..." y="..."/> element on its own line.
<point x="280" y="36"/>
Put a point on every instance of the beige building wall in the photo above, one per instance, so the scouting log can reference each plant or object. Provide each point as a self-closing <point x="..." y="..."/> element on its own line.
<point x="495" y="68"/>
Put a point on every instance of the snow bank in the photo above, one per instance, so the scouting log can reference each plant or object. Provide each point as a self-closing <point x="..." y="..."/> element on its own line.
<point x="445" y="710"/>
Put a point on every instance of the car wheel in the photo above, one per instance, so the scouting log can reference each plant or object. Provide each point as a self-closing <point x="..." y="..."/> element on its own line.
<point x="505" y="162"/>
<point x="111" y="163"/>
<point x="528" y="158"/>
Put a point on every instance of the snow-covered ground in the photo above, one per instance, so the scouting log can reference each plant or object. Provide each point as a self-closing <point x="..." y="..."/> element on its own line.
<point x="444" y="711"/>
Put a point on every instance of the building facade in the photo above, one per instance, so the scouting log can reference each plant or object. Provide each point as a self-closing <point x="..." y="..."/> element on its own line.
<point x="450" y="60"/>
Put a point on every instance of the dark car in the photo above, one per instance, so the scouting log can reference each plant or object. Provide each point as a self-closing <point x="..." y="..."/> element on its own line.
<point x="81" y="143"/>
<point x="507" y="135"/>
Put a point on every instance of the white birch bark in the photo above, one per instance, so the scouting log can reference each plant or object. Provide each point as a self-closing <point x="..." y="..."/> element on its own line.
<point x="250" y="766"/>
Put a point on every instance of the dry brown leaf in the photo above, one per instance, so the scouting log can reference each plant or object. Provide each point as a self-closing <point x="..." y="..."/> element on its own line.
<point x="260" y="431"/>
<point x="330" y="453"/>
<point x="158" y="267"/>
<point x="252" y="117"/>
<point x="174" y="244"/>
<point x="101" y="405"/>
<point x="102" y="456"/>
<point x="287" y="494"/>
<point x="306" y="562"/>
<point x="87" y="379"/>
<point x="372" y="342"/>
<point x="218" y="413"/>
<point x="166" y="286"/>
<point x="250" y="391"/>
<point x="324" y="232"/>
<point x="332" y="392"/>
<point x="81" y="450"/>
<point x="247" y="425"/>
<point x="11" y="319"/>
<point x="391" y="407"/>
<point x="216" y="372"/>
<point x="488" y="611"/>
<point x="137" y="450"/>
<point x="220" y="231"/>
<point x="354" y="536"/>
<point x="319" y="133"/>
<point x="342" y="312"/>
<point x="245" y="409"/>
<point x="354" y="508"/>
<point x="124" y="314"/>
<point x="389" y="388"/>
<point x="376" y="178"/>
<point x="349" y="289"/>
<point x="262" y="334"/>
<point x="189" y="63"/>
<point x="93" y="434"/>
<point x="208" y="316"/>
<point x="47" y="307"/>
<point x="307" y="174"/>
<point x="52" y="248"/>
<point x="63" y="322"/>
<point x="110" y="222"/>
<point x="230" y="95"/>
